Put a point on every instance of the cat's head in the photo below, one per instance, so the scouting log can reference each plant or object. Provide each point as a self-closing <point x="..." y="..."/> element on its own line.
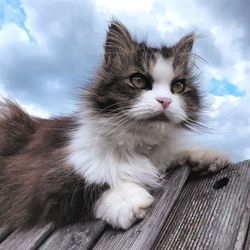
<point x="139" y="82"/>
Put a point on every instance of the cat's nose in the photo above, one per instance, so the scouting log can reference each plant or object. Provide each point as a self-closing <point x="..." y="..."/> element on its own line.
<point x="164" y="101"/>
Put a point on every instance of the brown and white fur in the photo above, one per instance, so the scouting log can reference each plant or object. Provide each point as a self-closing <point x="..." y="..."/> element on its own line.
<point x="104" y="160"/>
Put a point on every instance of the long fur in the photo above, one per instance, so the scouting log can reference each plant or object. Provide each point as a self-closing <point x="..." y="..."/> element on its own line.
<point x="36" y="184"/>
<point x="106" y="158"/>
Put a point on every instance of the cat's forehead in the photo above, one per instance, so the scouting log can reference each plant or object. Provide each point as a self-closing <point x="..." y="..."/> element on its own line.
<point x="154" y="60"/>
<point x="161" y="68"/>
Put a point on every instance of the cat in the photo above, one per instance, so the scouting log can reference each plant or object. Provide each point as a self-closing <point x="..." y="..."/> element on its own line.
<point x="105" y="159"/>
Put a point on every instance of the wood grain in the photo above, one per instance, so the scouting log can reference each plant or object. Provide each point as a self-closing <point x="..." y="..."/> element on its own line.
<point x="26" y="240"/>
<point x="208" y="218"/>
<point x="247" y="241"/>
<point x="143" y="235"/>
<point x="78" y="236"/>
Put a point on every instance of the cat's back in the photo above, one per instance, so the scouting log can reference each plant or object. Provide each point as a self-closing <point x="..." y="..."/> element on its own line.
<point x="21" y="132"/>
<point x="16" y="127"/>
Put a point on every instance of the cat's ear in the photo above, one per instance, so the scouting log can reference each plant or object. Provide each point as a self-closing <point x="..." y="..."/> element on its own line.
<point x="185" y="45"/>
<point x="118" y="41"/>
<point x="183" y="48"/>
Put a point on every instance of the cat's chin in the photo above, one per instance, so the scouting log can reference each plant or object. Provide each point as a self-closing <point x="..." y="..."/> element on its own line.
<point x="159" y="118"/>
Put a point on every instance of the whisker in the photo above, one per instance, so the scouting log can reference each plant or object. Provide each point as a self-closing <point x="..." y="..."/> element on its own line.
<point x="110" y="131"/>
<point x="114" y="143"/>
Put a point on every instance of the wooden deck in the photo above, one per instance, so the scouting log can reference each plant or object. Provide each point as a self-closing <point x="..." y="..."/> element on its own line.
<point x="190" y="213"/>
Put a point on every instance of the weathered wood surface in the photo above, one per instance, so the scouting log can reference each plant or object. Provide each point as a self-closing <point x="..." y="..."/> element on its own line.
<point x="26" y="240"/>
<point x="247" y="241"/>
<point x="196" y="213"/>
<point x="143" y="235"/>
<point x="78" y="236"/>
<point x="209" y="216"/>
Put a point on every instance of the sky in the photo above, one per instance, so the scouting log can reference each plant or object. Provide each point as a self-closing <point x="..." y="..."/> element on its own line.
<point x="49" y="48"/>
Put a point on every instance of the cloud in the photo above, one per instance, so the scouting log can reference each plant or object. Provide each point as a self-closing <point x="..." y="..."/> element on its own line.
<point x="46" y="61"/>
<point x="11" y="11"/>
<point x="231" y="126"/>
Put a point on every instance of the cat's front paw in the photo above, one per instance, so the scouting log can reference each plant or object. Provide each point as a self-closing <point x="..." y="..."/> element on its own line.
<point x="207" y="161"/>
<point x="122" y="206"/>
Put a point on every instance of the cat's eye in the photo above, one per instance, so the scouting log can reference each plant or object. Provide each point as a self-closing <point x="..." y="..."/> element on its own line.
<point x="139" y="81"/>
<point x="178" y="86"/>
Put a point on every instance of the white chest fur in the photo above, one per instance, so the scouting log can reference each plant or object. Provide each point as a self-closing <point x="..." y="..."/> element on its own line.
<point x="135" y="156"/>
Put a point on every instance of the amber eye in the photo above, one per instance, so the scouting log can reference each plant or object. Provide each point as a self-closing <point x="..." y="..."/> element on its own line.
<point x="139" y="81"/>
<point x="178" y="87"/>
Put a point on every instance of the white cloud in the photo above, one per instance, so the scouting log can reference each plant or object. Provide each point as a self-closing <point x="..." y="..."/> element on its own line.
<point x="34" y="110"/>
<point x="230" y="126"/>
<point x="119" y="5"/>
<point x="11" y="32"/>
<point x="51" y="53"/>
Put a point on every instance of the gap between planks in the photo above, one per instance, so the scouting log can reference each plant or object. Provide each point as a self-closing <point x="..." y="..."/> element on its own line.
<point x="77" y="236"/>
<point x="27" y="239"/>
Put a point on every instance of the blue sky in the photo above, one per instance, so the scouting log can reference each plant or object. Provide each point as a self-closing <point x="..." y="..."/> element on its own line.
<point x="224" y="87"/>
<point x="12" y="11"/>
<point x="49" y="48"/>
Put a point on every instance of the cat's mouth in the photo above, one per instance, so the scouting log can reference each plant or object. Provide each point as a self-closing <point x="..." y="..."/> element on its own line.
<point x="158" y="118"/>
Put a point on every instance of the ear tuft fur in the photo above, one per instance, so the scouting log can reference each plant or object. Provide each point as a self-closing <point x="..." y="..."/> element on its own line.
<point x="118" y="41"/>
<point x="185" y="45"/>
<point x="182" y="50"/>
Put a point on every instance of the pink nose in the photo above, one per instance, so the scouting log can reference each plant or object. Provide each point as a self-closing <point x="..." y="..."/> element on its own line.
<point x="164" y="101"/>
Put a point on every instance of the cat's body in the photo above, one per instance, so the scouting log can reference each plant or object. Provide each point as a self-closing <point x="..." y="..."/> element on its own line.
<point x="36" y="183"/>
<point x="105" y="159"/>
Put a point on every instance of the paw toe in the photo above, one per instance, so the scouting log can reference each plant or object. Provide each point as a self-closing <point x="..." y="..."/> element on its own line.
<point x="126" y="221"/>
<point x="139" y="212"/>
<point x="209" y="162"/>
<point x="123" y="209"/>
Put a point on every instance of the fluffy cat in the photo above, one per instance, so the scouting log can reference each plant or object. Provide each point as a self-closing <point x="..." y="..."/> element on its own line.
<point x="104" y="160"/>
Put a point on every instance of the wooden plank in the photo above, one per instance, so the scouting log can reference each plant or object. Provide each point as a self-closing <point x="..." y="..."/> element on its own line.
<point x="209" y="215"/>
<point x="4" y="232"/>
<point x="243" y="230"/>
<point x="78" y="236"/>
<point x="143" y="235"/>
<point x="26" y="240"/>
<point x="247" y="241"/>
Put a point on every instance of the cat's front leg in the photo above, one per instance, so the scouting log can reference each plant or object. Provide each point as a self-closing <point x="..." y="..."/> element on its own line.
<point x="123" y="205"/>
<point x="203" y="161"/>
